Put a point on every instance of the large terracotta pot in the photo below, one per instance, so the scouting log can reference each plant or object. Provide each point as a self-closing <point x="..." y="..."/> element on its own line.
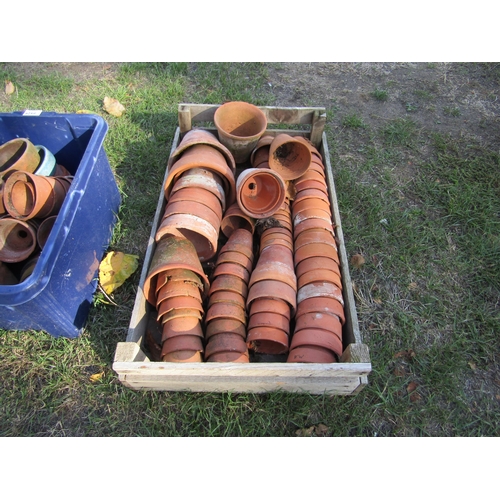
<point x="289" y="157"/>
<point x="240" y="126"/>
<point x="18" y="154"/>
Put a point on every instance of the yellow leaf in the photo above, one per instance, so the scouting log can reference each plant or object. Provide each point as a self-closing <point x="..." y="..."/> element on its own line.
<point x="96" y="377"/>
<point x="84" y="112"/>
<point x="357" y="260"/>
<point x="9" y="87"/>
<point x="113" y="107"/>
<point x="115" y="268"/>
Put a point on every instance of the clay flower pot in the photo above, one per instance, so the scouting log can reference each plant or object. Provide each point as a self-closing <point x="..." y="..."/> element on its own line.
<point x="178" y="289"/>
<point x="262" y="148"/>
<point x="320" y="321"/>
<point x="311" y="354"/>
<point x="311" y="204"/>
<point x="204" y="137"/>
<point x="226" y="296"/>
<point x="233" y="269"/>
<point x="310" y="184"/>
<point x="184" y="275"/>
<point x="29" y="267"/>
<point x="240" y="126"/>
<point x="47" y="165"/>
<point x="225" y="310"/>
<point x="289" y="157"/>
<point x="274" y="305"/>
<point x="228" y="357"/>
<point x="44" y="230"/>
<point x="174" y="303"/>
<point x="183" y="325"/>
<point x="17" y="239"/>
<point x="306" y="224"/>
<point x="317" y="337"/>
<point x="320" y="289"/>
<point x="267" y="289"/>
<point x="275" y="263"/>
<point x="172" y="253"/>
<point x="317" y="264"/>
<point x="229" y="283"/>
<point x="270" y="319"/>
<point x="183" y="357"/>
<point x="319" y="275"/>
<point x="315" y="250"/>
<point x="225" y="342"/>
<point x="235" y="257"/>
<point x="182" y="343"/>
<point x="18" y="154"/>
<point x="182" y="313"/>
<point x="321" y="305"/>
<point x="260" y="192"/>
<point x="240" y="240"/>
<point x="200" y="196"/>
<point x="311" y="193"/>
<point x="235" y="218"/>
<point x="225" y="325"/>
<point x="312" y="148"/>
<point x="314" y="236"/>
<point x="267" y="340"/>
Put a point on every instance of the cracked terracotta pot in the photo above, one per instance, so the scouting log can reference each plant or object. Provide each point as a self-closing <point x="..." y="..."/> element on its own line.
<point x="260" y="192"/>
<point x="275" y="263"/>
<point x="7" y="277"/>
<point x="181" y="312"/>
<point x="225" y="342"/>
<point x="322" y="305"/>
<point x="204" y="179"/>
<point x="289" y="157"/>
<point x="320" y="289"/>
<point x="206" y="157"/>
<point x="225" y="325"/>
<point x="17" y="239"/>
<point x="18" y="154"/>
<point x="184" y="275"/>
<point x="272" y="289"/>
<point x="315" y="250"/>
<point x="234" y="218"/>
<point x="311" y="354"/>
<point x="197" y="137"/>
<point x="178" y="289"/>
<point x="240" y="126"/>
<point x="43" y="232"/>
<point x="317" y="337"/>
<point x="229" y="283"/>
<point x="172" y="252"/>
<point x="267" y="340"/>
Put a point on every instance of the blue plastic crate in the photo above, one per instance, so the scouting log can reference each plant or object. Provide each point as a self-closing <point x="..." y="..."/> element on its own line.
<point x="58" y="294"/>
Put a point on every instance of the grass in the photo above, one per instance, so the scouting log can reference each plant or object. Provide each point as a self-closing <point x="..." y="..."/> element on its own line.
<point x="421" y="207"/>
<point x="380" y="95"/>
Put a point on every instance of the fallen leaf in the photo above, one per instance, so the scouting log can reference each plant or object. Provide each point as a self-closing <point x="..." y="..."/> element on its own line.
<point x="113" y="107"/>
<point x="472" y="365"/>
<point x="321" y="430"/>
<point x="411" y="387"/>
<point x="115" y="268"/>
<point x="96" y="377"/>
<point x="9" y="87"/>
<point x="377" y="300"/>
<point x="409" y="354"/>
<point x="305" y="432"/>
<point x="357" y="260"/>
<point x="415" y="396"/>
<point x="400" y="371"/>
<point x="412" y="286"/>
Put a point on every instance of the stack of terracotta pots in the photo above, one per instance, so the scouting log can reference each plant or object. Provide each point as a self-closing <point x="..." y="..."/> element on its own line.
<point x="226" y="320"/>
<point x="33" y="188"/>
<point x="176" y="286"/>
<point x="272" y="292"/>
<point x="199" y="183"/>
<point x="319" y="318"/>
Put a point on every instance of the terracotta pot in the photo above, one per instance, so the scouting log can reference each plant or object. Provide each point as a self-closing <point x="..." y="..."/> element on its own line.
<point x="180" y="302"/>
<point x="199" y="196"/>
<point x="197" y="137"/>
<point x="320" y="321"/>
<point x="201" y="178"/>
<point x="263" y="143"/>
<point x="225" y="310"/>
<point x="182" y="313"/>
<point x="312" y="193"/>
<point x="311" y="354"/>
<point x="44" y="230"/>
<point x="172" y="253"/>
<point x="311" y="204"/>
<point x="183" y="357"/>
<point x="289" y="157"/>
<point x="184" y="275"/>
<point x="277" y="306"/>
<point x="18" y="154"/>
<point x="240" y="240"/>
<point x="319" y="289"/>
<point x="7" y="277"/>
<point x="270" y="319"/>
<point x="322" y="305"/>
<point x="310" y="175"/>
<point x="313" y="223"/>
<point x="225" y="342"/>
<point x="272" y="289"/>
<point x="310" y="184"/>
<point x="261" y="158"/>
<point x="181" y="326"/>
<point x="240" y="126"/>
<point x="275" y="263"/>
<point x="178" y="289"/>
<point x="315" y="250"/>
<point x="235" y="257"/>
<point x="225" y="325"/>
<point x="313" y="263"/>
<point x="229" y="283"/>
<point x="271" y="240"/>
<point x="267" y="340"/>
<point x="226" y="296"/>
<point x="234" y="218"/>
<point x="316" y="337"/>
<point x="314" y="151"/>
<point x="209" y="158"/>
<point x="182" y="343"/>
<point x="229" y="357"/>
<point x="195" y="208"/>
<point x="319" y="275"/>
<point x="17" y="239"/>
<point x="260" y="192"/>
<point x="233" y="269"/>
<point x="314" y="236"/>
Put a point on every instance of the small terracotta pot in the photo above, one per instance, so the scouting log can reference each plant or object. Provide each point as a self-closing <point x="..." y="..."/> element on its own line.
<point x="233" y="269"/>
<point x="17" y="239"/>
<point x="226" y="296"/>
<point x="201" y="137"/>
<point x="310" y="145"/>
<point x="307" y="224"/>
<point x="181" y="326"/>
<point x="264" y="143"/>
<point x="234" y="218"/>
<point x="200" y="196"/>
<point x="275" y="263"/>
<point x="225" y="310"/>
<point x="310" y="184"/>
<point x="260" y="192"/>
<point x="195" y="208"/>
<point x="316" y="337"/>
<point x="320" y="321"/>
<point x="289" y="157"/>
<point x="276" y="306"/>
<point x="183" y="357"/>
<point x="309" y="204"/>
<point x="225" y="342"/>
<point x="315" y="250"/>
<point x="178" y="289"/>
<point x="305" y="194"/>
<point x="174" y="303"/>
<point x="316" y="262"/>
<point x="323" y="275"/>
<point x="267" y="340"/>
<point x="320" y="289"/>
<point x="18" y="154"/>
<point x="229" y="357"/>
<point x="182" y="343"/>
<point x="184" y="275"/>
<point x="272" y="240"/>
<point x="310" y="175"/>
<point x="321" y="305"/>
<point x="240" y="126"/>
<point x="43" y="232"/>
<point x="229" y="283"/>
<point x="181" y="312"/>
<point x="311" y="354"/>
<point x="234" y="257"/>
<point x="203" y="235"/>
<point x="241" y="240"/>
<point x="225" y="325"/>
<point x="272" y="289"/>
<point x="270" y="319"/>
<point x="172" y="253"/>
<point x="314" y="236"/>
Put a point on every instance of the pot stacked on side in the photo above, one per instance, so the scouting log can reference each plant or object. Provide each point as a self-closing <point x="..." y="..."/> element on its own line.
<point x="272" y="292"/>
<point x="226" y="319"/>
<point x="319" y="318"/>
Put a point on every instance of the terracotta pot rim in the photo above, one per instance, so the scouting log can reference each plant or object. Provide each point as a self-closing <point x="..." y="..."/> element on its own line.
<point x="311" y="354"/>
